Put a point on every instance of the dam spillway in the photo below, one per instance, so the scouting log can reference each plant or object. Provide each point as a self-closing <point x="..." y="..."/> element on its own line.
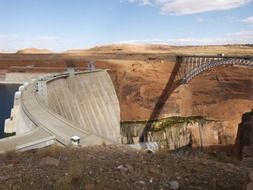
<point x="54" y="108"/>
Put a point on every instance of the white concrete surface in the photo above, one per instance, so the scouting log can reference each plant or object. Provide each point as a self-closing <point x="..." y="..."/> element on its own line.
<point x="85" y="106"/>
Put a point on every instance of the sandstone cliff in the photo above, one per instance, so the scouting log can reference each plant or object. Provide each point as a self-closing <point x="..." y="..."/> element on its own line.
<point x="244" y="140"/>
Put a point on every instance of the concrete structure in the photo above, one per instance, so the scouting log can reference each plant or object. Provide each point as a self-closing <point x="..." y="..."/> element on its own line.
<point x="54" y="108"/>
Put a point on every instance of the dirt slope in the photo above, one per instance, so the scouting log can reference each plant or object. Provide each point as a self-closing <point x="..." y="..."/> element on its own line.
<point x="116" y="167"/>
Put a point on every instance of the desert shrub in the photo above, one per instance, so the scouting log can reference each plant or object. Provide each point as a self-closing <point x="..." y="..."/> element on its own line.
<point x="222" y="157"/>
<point x="71" y="178"/>
<point x="52" y="151"/>
<point x="11" y="154"/>
<point x="75" y="172"/>
<point x="63" y="183"/>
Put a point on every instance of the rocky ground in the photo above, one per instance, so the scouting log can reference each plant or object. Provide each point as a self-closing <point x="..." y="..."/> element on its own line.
<point x="117" y="167"/>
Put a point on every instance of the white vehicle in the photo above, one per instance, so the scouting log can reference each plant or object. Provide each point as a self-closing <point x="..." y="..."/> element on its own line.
<point x="75" y="140"/>
<point x="221" y="54"/>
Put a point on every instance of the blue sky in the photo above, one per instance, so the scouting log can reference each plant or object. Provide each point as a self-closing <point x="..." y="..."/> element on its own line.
<point x="71" y="24"/>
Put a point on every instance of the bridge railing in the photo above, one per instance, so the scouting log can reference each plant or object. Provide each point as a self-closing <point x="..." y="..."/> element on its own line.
<point x="218" y="56"/>
<point x="193" y="72"/>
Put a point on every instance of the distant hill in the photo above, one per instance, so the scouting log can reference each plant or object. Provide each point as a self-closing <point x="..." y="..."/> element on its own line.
<point x="150" y="48"/>
<point x="33" y="51"/>
<point x="161" y="48"/>
<point x="3" y="51"/>
<point x="123" y="48"/>
<point x="132" y="47"/>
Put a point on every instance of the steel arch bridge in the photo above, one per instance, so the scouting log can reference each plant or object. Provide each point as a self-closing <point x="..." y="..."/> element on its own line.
<point x="186" y="68"/>
<point x="192" y="66"/>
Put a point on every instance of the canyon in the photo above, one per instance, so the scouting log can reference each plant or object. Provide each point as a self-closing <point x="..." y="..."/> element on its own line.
<point x="140" y="74"/>
<point x="201" y="127"/>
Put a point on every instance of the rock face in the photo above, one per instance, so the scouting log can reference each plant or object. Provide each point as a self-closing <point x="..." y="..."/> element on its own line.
<point x="199" y="133"/>
<point x="244" y="141"/>
<point x="174" y="185"/>
<point x="221" y="93"/>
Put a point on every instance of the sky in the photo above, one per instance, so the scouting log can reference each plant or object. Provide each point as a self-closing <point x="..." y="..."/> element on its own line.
<point x="59" y="25"/>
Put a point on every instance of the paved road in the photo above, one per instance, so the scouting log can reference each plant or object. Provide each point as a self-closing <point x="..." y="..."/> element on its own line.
<point x="27" y="140"/>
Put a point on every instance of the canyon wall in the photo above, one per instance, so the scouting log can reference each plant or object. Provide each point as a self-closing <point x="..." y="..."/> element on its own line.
<point x="221" y="93"/>
<point x="176" y="132"/>
<point x="244" y="140"/>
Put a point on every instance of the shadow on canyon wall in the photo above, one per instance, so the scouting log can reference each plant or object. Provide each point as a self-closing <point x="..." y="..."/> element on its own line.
<point x="171" y="85"/>
<point x="244" y="138"/>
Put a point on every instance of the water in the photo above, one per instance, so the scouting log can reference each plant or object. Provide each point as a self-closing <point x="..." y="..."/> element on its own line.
<point x="7" y="92"/>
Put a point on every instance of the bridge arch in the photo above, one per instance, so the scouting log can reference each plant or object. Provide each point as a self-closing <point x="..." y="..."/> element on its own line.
<point x="197" y="70"/>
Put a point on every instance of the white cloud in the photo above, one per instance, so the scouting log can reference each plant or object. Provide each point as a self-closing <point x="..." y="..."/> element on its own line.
<point x="248" y="20"/>
<point x="141" y="2"/>
<point x="182" y="7"/>
<point x="242" y="37"/>
<point x="199" y="20"/>
<point x="178" y="41"/>
<point x="3" y="36"/>
<point x="49" y="38"/>
<point x="14" y="42"/>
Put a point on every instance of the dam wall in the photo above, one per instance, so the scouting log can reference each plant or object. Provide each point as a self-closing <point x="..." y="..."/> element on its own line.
<point x="88" y="101"/>
<point x="28" y="133"/>
<point x="54" y="108"/>
<point x="18" y="121"/>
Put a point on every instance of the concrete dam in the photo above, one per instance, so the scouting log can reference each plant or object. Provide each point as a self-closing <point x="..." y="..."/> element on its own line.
<point x="56" y="107"/>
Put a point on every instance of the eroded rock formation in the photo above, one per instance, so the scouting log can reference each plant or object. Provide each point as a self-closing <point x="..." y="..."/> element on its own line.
<point x="244" y="140"/>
